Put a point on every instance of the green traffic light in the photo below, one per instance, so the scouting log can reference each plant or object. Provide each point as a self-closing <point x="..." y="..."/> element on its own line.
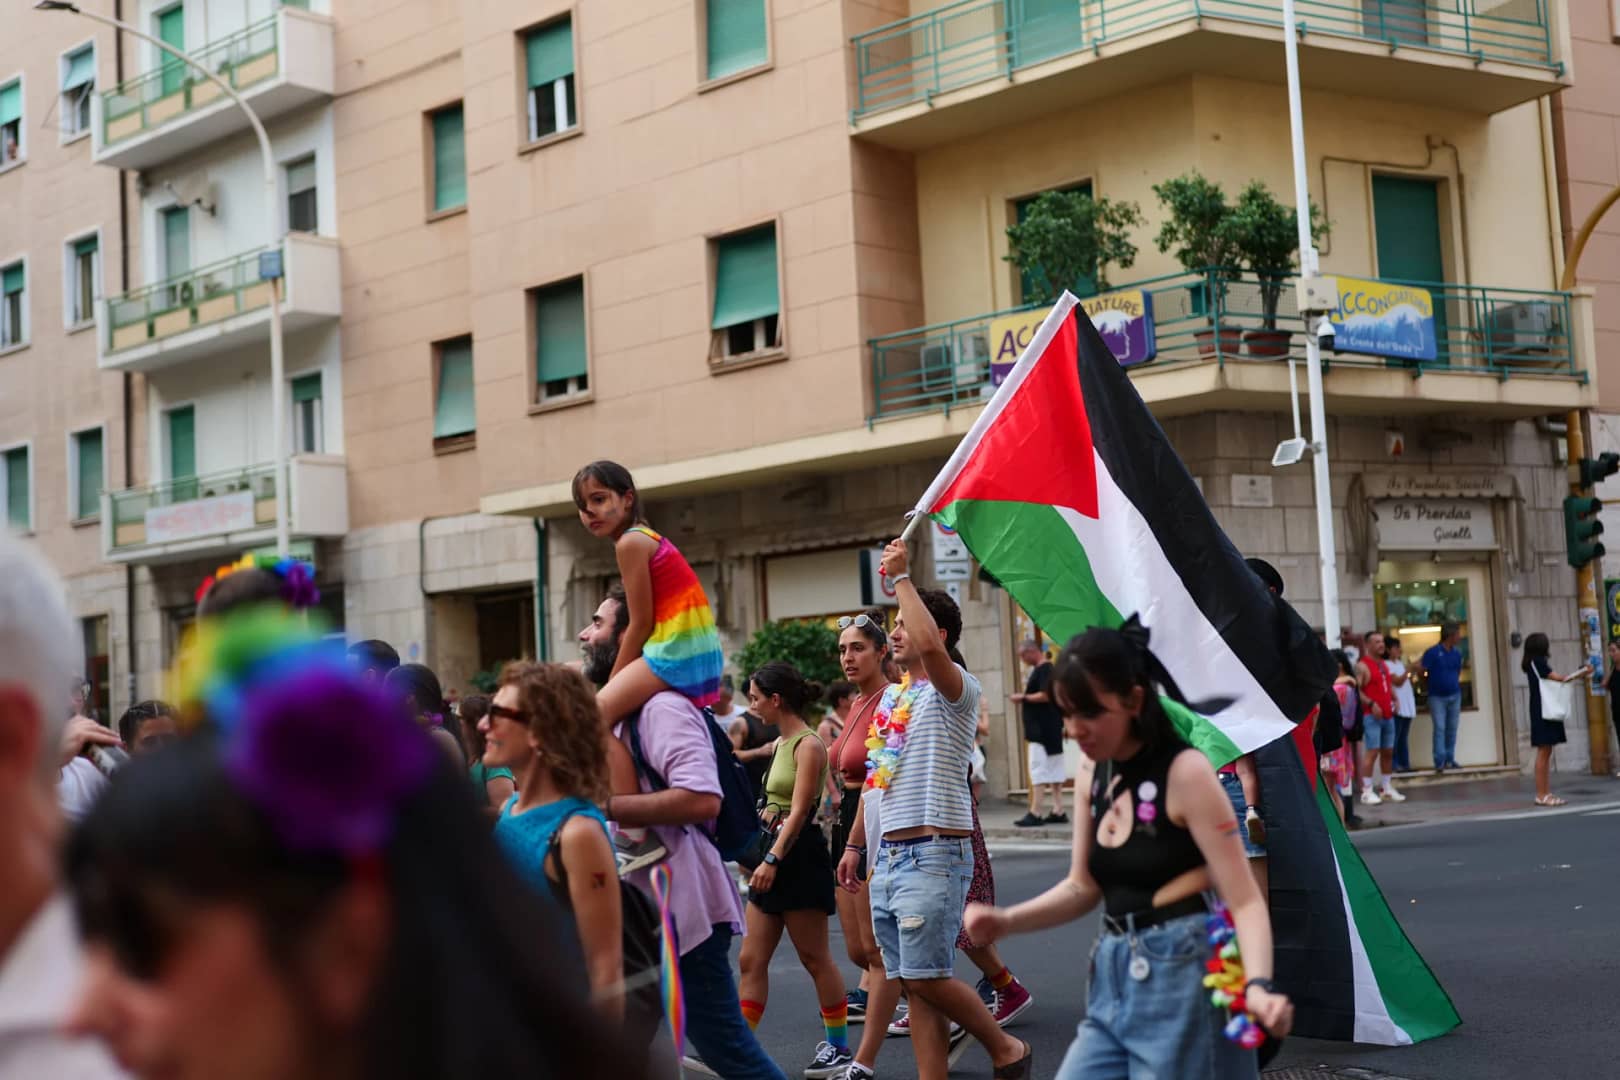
<point x="1581" y="527"/>
<point x="1595" y="470"/>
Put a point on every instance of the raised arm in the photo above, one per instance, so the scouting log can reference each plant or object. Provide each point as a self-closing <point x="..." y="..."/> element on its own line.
<point x="921" y="631"/>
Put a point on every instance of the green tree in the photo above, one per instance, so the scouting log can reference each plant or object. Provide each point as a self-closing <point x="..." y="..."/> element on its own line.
<point x="1068" y="238"/>
<point x="812" y="647"/>
<point x="1266" y="233"/>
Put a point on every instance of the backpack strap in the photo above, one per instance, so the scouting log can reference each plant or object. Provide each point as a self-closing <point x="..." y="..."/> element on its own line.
<point x="632" y="727"/>
<point x="554" y="851"/>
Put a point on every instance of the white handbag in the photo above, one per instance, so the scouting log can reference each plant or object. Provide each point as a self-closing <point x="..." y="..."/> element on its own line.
<point x="1557" y="699"/>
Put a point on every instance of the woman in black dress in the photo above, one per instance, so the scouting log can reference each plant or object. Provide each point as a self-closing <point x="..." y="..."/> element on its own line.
<point x="1544" y="734"/>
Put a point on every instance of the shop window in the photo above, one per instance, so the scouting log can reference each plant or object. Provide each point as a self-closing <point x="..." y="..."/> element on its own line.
<point x="1415" y="612"/>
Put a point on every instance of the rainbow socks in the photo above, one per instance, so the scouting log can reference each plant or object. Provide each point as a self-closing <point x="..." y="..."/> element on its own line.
<point x="836" y="1021"/>
<point x="752" y="1011"/>
<point x="1001" y="979"/>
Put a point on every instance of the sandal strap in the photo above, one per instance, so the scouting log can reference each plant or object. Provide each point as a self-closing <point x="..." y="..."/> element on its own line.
<point x="1017" y="1070"/>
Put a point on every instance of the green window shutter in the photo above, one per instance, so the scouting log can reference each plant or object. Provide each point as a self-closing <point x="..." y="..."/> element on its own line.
<point x="87" y="246"/>
<point x="736" y="36"/>
<point x="182" y="443"/>
<point x="745" y="278"/>
<point x="17" y="488"/>
<point x="11" y="101"/>
<point x="559" y="315"/>
<point x="454" y="412"/>
<point x="11" y="279"/>
<point x="176" y="242"/>
<point x="449" y="159"/>
<point x="306" y="388"/>
<point x="172" y="31"/>
<point x="551" y="53"/>
<point x="90" y="479"/>
<point x="81" y="69"/>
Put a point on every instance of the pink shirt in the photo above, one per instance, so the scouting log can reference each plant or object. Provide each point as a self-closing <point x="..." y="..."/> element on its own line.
<point x="675" y="744"/>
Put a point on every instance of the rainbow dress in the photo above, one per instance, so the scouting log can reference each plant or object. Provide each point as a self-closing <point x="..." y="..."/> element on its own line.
<point x="684" y="647"/>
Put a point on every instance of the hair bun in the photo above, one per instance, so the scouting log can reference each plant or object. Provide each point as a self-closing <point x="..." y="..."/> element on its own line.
<point x="813" y="691"/>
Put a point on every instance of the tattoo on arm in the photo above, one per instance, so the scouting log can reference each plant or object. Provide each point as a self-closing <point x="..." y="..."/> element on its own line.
<point x="1230" y="828"/>
<point x="598" y="880"/>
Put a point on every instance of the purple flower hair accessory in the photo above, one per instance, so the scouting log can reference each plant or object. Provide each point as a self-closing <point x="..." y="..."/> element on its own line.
<point x="297" y="584"/>
<point x="293" y="755"/>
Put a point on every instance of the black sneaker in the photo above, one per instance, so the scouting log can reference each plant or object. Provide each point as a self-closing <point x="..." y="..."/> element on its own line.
<point x="857" y="1071"/>
<point x="1029" y="821"/>
<point x="633" y="855"/>
<point x="829" y="1061"/>
<point x="1059" y="818"/>
<point x="855" y="1006"/>
<point x="958" y="1046"/>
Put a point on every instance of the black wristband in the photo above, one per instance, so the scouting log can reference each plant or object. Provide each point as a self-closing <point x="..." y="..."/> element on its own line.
<point x="1264" y="984"/>
<point x="855" y="848"/>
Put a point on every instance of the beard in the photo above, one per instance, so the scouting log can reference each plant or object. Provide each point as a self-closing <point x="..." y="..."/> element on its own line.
<point x="599" y="661"/>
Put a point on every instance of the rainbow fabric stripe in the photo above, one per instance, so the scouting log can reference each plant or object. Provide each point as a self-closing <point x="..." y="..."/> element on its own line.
<point x="670" y="977"/>
<point x="684" y="646"/>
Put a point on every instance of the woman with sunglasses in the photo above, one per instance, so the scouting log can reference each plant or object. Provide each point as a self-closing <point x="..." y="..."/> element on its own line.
<point x="543" y="725"/>
<point x="863" y="646"/>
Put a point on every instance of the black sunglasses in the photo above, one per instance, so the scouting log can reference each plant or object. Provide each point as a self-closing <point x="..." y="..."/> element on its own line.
<point x="504" y="713"/>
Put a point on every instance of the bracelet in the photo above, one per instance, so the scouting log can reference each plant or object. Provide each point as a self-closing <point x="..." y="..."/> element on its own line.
<point x="1264" y="984"/>
<point x="898" y="578"/>
<point x="858" y="849"/>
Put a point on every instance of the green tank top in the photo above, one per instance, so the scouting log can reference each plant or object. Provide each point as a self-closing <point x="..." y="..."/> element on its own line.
<point x="783" y="772"/>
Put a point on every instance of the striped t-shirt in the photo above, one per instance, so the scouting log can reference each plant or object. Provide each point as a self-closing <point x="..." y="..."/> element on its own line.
<point x="930" y="785"/>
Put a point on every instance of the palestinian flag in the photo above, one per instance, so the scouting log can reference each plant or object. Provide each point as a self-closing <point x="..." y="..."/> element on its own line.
<point x="1339" y="952"/>
<point x="1069" y="494"/>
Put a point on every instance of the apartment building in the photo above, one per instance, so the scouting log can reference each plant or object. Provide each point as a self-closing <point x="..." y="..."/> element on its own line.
<point x="755" y="250"/>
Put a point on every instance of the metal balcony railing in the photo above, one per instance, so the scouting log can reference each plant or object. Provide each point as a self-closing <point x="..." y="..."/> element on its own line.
<point x="970" y="41"/>
<point x="195" y="298"/>
<point x="1216" y="316"/>
<point x="173" y="88"/>
<point x="129" y="507"/>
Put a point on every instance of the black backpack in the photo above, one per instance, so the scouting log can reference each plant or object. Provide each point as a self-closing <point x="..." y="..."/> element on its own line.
<point x="734" y="829"/>
<point x="642" y="931"/>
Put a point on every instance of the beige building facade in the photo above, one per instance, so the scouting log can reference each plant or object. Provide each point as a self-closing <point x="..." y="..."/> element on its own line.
<point x="757" y="253"/>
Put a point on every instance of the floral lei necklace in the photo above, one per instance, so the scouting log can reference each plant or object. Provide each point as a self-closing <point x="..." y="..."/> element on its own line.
<point x="886" y="736"/>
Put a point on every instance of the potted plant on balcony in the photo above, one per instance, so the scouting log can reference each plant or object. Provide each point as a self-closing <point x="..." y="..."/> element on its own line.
<point x="1267" y="237"/>
<point x="1198" y="228"/>
<point x="1067" y="240"/>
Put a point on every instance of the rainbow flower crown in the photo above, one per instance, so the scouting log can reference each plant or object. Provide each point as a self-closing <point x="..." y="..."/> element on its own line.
<point x="297" y="582"/>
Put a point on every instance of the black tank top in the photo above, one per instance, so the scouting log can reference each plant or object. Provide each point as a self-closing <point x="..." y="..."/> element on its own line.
<point x="1131" y="795"/>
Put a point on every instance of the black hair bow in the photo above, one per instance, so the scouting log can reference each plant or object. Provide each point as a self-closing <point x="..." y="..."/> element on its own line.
<point x="1139" y="636"/>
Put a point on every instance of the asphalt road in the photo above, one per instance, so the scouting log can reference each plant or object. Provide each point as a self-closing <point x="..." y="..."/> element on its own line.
<point x="1518" y="916"/>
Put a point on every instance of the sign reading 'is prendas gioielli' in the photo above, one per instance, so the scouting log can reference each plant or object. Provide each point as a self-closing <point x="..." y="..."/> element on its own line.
<point x="1378" y="318"/>
<point x="1124" y="319"/>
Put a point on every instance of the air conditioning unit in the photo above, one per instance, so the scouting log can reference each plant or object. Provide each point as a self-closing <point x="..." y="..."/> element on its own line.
<point x="1526" y="329"/>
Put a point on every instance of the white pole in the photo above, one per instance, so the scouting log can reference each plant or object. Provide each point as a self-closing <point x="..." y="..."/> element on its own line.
<point x="272" y="208"/>
<point x="1313" y="349"/>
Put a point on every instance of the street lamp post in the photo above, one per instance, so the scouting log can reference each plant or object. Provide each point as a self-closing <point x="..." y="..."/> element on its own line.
<point x="272" y="208"/>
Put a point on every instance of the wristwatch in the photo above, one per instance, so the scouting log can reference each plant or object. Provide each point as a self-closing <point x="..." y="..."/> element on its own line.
<point x="770" y="859"/>
<point x="1264" y="984"/>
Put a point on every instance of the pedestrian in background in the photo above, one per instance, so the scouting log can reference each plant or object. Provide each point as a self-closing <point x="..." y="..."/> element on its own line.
<point x="1405" y="700"/>
<point x="492" y="784"/>
<point x="1545" y="733"/>
<point x="1613" y="687"/>
<point x="418" y="689"/>
<point x="1378" y="719"/>
<point x="1442" y="671"/>
<point x="1342" y="765"/>
<point x="1043" y="736"/>
<point x="147" y="725"/>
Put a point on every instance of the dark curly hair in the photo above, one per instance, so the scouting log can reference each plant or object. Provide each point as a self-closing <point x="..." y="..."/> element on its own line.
<point x="947" y="616"/>
<point x="562" y="714"/>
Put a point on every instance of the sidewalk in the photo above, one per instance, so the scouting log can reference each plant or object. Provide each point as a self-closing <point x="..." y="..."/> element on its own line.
<point x="1466" y="793"/>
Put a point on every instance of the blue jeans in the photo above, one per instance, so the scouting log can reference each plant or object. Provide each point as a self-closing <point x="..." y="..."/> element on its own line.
<point x="1380" y="734"/>
<point x="1163" y="1026"/>
<point x="1240" y="807"/>
<point x="714" y="1024"/>
<point x="1446" y="710"/>
<point x="1403" y="753"/>
<point x="919" y="890"/>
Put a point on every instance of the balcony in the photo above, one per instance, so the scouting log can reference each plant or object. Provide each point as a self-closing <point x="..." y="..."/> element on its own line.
<point x="225" y="513"/>
<point x="1502" y="353"/>
<point x="965" y="67"/>
<point x="219" y="307"/>
<point x="277" y="65"/>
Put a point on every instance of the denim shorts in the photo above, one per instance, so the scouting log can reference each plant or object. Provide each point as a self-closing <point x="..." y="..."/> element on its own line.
<point x="1240" y="807"/>
<point x="918" y="890"/>
<point x="1380" y="733"/>
<point x="1162" y="1025"/>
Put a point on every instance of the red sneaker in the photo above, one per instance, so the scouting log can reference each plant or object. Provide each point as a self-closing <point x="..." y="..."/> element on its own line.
<point x="1011" y="1003"/>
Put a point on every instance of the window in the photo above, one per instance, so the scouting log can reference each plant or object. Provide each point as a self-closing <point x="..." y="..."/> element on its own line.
<point x="13" y="306"/>
<point x="78" y="87"/>
<point x="83" y="279"/>
<point x="559" y="334"/>
<point x="455" y="418"/>
<point x="171" y="30"/>
<point x="449" y="159"/>
<point x="301" y="206"/>
<point x="735" y="35"/>
<point x="11" y="125"/>
<point x="308" y="434"/>
<point x="85" y="498"/>
<point x="550" y="53"/>
<point x="182" y="429"/>
<point x="176" y="222"/>
<point x="19" y="499"/>
<point x="98" y="665"/>
<point x="747" y="309"/>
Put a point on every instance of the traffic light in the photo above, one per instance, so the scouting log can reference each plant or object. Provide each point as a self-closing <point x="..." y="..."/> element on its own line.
<point x="1607" y="464"/>
<point x="1581" y="529"/>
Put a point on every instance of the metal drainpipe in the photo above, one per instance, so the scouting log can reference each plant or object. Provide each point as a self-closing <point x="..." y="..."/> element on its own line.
<point x="128" y="379"/>
<point x="542" y="646"/>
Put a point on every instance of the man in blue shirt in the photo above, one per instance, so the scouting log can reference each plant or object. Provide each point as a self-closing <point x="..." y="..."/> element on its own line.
<point x="1442" y="667"/>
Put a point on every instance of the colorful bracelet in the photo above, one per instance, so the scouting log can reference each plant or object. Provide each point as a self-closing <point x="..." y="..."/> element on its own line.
<point x="1225" y="979"/>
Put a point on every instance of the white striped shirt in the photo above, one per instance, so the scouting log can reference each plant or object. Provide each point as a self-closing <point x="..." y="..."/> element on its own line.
<point x="930" y="784"/>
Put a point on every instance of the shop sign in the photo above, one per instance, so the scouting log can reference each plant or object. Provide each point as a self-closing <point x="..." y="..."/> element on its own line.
<point x="1377" y="318"/>
<point x="1438" y="485"/>
<point x="1435" y="525"/>
<point x="1611" y="591"/>
<point x="1124" y="319"/>
<point x="200" y="517"/>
